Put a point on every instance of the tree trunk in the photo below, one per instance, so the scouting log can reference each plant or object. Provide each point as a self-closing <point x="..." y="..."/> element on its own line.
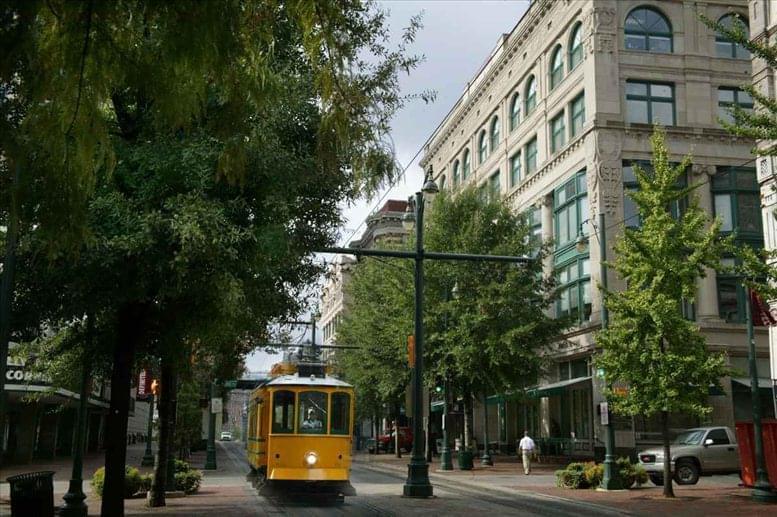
<point x="128" y="325"/>
<point x="668" y="489"/>
<point x="157" y="497"/>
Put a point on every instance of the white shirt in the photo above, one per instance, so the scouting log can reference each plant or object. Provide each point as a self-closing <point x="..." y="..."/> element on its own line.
<point x="526" y="444"/>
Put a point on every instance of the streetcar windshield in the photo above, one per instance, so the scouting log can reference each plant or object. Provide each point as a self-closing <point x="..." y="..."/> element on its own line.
<point x="312" y="412"/>
<point x="341" y="412"/>
<point x="283" y="412"/>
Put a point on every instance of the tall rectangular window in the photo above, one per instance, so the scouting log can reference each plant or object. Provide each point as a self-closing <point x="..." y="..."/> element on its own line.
<point x="493" y="186"/>
<point x="558" y="133"/>
<point x="737" y="203"/>
<point x="650" y="103"/>
<point x="574" y="281"/>
<point x="730" y="97"/>
<point x="515" y="169"/>
<point x="531" y="156"/>
<point x="534" y="220"/>
<point x="576" y="115"/>
<point x="570" y="209"/>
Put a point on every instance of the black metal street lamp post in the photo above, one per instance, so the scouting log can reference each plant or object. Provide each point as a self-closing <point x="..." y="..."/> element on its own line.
<point x="74" y="498"/>
<point x="148" y="455"/>
<point x="210" y="456"/>
<point x="610" y="479"/>
<point x="417" y="483"/>
<point x="486" y="458"/>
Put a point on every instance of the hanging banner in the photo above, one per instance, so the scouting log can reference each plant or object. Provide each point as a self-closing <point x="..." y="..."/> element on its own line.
<point x="762" y="315"/>
<point x="144" y="384"/>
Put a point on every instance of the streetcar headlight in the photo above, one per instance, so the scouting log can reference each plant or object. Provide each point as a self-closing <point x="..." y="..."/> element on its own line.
<point x="311" y="459"/>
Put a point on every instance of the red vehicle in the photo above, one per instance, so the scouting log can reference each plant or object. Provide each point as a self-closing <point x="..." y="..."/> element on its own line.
<point x="385" y="442"/>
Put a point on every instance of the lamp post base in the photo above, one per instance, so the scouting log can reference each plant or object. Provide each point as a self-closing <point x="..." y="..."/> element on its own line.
<point x="210" y="460"/>
<point x="417" y="484"/>
<point x="446" y="461"/>
<point x="148" y="460"/>
<point x="610" y="478"/>
<point x="74" y="501"/>
<point x="763" y="493"/>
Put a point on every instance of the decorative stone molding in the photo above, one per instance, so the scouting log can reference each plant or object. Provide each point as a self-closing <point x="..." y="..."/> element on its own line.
<point x="604" y="185"/>
<point x="599" y="30"/>
<point x="702" y="169"/>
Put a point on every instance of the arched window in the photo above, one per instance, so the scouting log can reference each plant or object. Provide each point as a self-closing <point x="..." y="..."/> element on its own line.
<point x="515" y="111"/>
<point x="531" y="96"/>
<point x="466" y="166"/>
<point x="482" y="147"/>
<point x="494" y="133"/>
<point x="576" y="46"/>
<point x="724" y="47"/>
<point x="556" y="67"/>
<point x="442" y="182"/>
<point x="647" y="29"/>
<point x="455" y="173"/>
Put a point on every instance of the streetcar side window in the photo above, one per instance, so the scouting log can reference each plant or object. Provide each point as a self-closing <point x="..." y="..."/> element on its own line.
<point x="312" y="412"/>
<point x="341" y="413"/>
<point x="283" y="412"/>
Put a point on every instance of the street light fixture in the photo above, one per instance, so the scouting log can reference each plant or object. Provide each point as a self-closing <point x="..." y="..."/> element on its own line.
<point x="610" y="480"/>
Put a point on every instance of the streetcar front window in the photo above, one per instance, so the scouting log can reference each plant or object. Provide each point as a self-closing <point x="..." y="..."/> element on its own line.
<point x="341" y="413"/>
<point x="312" y="412"/>
<point x="283" y="412"/>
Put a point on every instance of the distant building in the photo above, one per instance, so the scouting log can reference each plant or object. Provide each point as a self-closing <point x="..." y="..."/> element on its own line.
<point x="554" y="123"/>
<point x="383" y="228"/>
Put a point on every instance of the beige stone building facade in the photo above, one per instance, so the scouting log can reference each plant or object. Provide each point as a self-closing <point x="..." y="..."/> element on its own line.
<point x="553" y="123"/>
<point x="763" y="27"/>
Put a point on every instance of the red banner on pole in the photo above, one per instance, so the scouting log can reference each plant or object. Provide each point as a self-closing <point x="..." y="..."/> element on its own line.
<point x="144" y="383"/>
<point x="762" y="315"/>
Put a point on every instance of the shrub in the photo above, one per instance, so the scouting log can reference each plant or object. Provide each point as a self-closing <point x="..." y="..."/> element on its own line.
<point x="132" y="481"/>
<point x="573" y="476"/>
<point x="181" y="466"/>
<point x="593" y="474"/>
<point x="189" y="481"/>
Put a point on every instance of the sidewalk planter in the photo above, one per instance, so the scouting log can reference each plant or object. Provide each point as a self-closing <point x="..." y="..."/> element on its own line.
<point x="745" y="440"/>
<point x="32" y="494"/>
<point x="465" y="460"/>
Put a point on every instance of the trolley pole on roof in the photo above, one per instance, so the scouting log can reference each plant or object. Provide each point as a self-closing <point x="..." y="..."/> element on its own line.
<point x="417" y="483"/>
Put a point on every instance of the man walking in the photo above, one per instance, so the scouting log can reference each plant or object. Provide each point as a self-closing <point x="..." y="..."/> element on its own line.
<point x="526" y="447"/>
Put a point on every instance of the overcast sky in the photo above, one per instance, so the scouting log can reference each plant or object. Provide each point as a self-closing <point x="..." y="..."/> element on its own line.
<point x="456" y="39"/>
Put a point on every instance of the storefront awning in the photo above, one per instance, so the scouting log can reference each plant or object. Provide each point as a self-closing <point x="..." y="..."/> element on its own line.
<point x="745" y="381"/>
<point x="437" y="405"/>
<point x="556" y="388"/>
<point x="49" y="394"/>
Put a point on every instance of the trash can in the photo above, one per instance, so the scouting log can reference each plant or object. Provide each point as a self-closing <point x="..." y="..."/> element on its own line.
<point x="465" y="460"/>
<point x="32" y="494"/>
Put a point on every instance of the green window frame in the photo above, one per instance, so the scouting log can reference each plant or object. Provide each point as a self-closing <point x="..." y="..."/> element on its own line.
<point x="533" y="218"/>
<point x="577" y="115"/>
<point x="482" y="146"/>
<point x="456" y="173"/>
<point x="515" y="111"/>
<point x="576" y="46"/>
<point x="647" y="29"/>
<point x="731" y="295"/>
<point x="574" y="286"/>
<point x="558" y="132"/>
<point x="556" y="67"/>
<point x="724" y="47"/>
<point x="631" y="217"/>
<point x="494" y="133"/>
<point x="466" y="167"/>
<point x="570" y="210"/>
<point x="531" y="156"/>
<point x="530" y="101"/>
<point x="515" y="169"/>
<point x="650" y="103"/>
<point x="728" y="97"/>
<point x="737" y="200"/>
<point x="494" y="187"/>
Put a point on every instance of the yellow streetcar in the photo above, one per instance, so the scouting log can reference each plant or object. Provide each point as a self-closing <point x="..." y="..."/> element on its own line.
<point x="300" y="428"/>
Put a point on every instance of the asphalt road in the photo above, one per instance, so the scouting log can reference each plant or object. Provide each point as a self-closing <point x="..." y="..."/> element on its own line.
<point x="379" y="494"/>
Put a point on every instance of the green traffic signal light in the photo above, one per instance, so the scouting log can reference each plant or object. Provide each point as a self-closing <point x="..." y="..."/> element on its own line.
<point x="438" y="389"/>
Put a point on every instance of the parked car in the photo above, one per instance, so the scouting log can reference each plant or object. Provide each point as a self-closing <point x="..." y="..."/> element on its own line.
<point x="695" y="452"/>
<point x="385" y="442"/>
<point x="226" y="436"/>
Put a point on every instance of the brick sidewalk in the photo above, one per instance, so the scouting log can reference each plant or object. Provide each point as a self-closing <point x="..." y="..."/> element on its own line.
<point x="710" y="497"/>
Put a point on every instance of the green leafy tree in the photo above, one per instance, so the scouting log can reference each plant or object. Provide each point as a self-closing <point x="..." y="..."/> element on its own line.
<point x="661" y="356"/>
<point x="487" y="340"/>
